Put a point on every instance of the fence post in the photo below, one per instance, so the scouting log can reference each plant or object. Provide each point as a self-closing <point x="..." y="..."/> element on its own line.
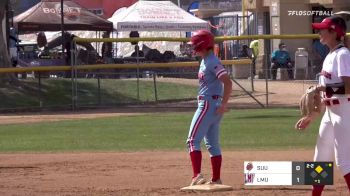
<point x="138" y="71"/>
<point x="99" y="89"/>
<point x="75" y="59"/>
<point x="73" y="78"/>
<point x="155" y="86"/>
<point x="267" y="86"/>
<point x="252" y="76"/>
<point x="40" y="91"/>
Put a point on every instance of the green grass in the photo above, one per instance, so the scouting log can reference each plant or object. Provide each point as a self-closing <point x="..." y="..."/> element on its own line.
<point x="57" y="92"/>
<point x="241" y="129"/>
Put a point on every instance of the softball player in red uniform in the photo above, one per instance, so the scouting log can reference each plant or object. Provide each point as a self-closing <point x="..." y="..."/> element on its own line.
<point x="215" y="88"/>
<point x="334" y="133"/>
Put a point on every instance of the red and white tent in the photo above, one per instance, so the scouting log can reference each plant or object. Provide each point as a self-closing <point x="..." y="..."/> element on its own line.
<point x="46" y="16"/>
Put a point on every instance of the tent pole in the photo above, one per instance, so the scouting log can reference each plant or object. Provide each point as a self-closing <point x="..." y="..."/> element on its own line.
<point x="62" y="26"/>
<point x="120" y="44"/>
<point x="138" y="70"/>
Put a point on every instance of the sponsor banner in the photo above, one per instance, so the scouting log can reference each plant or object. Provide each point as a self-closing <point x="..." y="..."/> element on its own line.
<point x="160" y="26"/>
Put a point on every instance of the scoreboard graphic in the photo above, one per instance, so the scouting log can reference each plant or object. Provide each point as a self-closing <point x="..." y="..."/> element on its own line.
<point x="288" y="173"/>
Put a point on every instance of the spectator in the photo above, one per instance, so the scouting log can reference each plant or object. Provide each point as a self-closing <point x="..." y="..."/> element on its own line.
<point x="280" y="59"/>
<point x="254" y="45"/>
<point x="137" y="52"/>
<point x="107" y="55"/>
<point x="13" y="41"/>
<point x="245" y="52"/>
<point x="41" y="40"/>
<point x="68" y="41"/>
<point x="186" y="49"/>
<point x="42" y="43"/>
<point x="134" y="34"/>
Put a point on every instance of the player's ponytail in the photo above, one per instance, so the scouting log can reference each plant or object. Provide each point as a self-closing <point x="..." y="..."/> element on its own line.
<point x="346" y="41"/>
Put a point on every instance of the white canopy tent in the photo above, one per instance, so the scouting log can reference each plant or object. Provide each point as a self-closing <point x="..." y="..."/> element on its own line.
<point x="156" y="16"/>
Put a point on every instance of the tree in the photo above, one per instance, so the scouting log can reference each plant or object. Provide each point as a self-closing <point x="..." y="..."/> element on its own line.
<point x="5" y="60"/>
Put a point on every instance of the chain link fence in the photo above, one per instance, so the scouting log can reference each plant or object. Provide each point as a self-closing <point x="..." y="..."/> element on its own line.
<point x="143" y="86"/>
<point x="146" y="87"/>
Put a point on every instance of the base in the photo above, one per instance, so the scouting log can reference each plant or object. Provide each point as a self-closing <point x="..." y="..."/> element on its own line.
<point x="208" y="188"/>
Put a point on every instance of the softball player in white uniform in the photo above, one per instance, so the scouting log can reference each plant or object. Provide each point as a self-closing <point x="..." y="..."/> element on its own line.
<point x="334" y="133"/>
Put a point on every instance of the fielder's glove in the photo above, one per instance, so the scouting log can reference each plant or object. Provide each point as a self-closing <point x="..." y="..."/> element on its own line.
<point x="310" y="107"/>
<point x="310" y="102"/>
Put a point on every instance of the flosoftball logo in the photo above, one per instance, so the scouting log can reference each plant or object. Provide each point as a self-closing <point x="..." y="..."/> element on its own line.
<point x="309" y="13"/>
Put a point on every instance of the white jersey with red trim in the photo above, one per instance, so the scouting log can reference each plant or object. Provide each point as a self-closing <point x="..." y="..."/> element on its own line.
<point x="334" y="133"/>
<point x="335" y="65"/>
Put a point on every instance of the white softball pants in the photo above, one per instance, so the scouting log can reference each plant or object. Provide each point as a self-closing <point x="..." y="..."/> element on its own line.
<point x="334" y="135"/>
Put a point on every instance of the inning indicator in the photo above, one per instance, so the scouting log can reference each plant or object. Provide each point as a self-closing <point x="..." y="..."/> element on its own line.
<point x="288" y="173"/>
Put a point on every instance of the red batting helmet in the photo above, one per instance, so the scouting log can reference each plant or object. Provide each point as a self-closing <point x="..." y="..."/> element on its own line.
<point x="202" y="40"/>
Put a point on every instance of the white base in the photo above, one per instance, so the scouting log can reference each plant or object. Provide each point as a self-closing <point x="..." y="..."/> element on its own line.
<point x="208" y="188"/>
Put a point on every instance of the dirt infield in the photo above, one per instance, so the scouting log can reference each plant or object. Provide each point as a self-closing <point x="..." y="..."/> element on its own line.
<point x="139" y="173"/>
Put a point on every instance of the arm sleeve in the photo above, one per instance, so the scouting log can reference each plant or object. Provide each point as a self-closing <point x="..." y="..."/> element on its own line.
<point x="218" y="69"/>
<point x="273" y="55"/>
<point x="343" y="60"/>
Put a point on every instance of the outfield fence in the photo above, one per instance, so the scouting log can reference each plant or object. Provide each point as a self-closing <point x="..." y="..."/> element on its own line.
<point x="144" y="83"/>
